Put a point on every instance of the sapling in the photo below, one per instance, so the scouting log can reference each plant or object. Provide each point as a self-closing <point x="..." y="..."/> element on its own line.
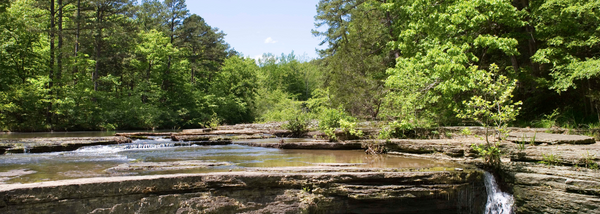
<point x="492" y="105"/>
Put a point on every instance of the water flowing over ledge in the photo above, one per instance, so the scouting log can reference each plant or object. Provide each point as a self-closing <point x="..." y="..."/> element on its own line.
<point x="498" y="202"/>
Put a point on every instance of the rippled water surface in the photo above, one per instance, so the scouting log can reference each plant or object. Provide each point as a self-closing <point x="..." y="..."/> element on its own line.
<point x="93" y="161"/>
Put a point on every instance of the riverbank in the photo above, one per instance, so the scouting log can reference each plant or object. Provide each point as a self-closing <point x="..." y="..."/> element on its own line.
<point x="545" y="172"/>
<point x="273" y="190"/>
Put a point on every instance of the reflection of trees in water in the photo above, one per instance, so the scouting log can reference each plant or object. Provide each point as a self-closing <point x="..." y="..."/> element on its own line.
<point x="375" y="160"/>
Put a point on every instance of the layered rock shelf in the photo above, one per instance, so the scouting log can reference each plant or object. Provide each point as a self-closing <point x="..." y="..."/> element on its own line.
<point x="41" y="145"/>
<point x="551" y="139"/>
<point x="255" y="192"/>
<point x="546" y="173"/>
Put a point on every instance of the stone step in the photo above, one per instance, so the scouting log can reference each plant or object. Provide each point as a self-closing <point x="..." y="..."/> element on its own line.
<point x="551" y="139"/>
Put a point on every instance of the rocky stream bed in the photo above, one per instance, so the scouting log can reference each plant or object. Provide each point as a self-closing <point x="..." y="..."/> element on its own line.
<point x="545" y="172"/>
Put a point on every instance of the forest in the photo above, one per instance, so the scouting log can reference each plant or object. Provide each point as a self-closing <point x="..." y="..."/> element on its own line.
<point x="150" y="64"/>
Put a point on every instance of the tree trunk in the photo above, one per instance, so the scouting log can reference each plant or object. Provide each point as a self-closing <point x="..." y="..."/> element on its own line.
<point x="98" y="46"/>
<point x="77" y="31"/>
<point x="52" y="58"/>
<point x="60" y="43"/>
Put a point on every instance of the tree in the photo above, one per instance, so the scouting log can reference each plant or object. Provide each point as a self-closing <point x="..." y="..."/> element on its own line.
<point x="232" y="93"/>
<point x="357" y="53"/>
<point x="441" y="45"/>
<point x="206" y="48"/>
<point x="492" y="105"/>
<point x="151" y="14"/>
<point x="569" y="56"/>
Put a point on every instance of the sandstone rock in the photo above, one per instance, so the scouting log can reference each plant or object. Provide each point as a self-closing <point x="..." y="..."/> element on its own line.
<point x="551" y="189"/>
<point x="162" y="166"/>
<point x="254" y="192"/>
<point x="40" y="145"/>
<point x="549" y="138"/>
<point x="313" y="144"/>
<point x="213" y="137"/>
<point x="580" y="155"/>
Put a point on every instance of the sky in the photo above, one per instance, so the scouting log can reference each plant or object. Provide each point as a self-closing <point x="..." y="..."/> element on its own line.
<point x="255" y="27"/>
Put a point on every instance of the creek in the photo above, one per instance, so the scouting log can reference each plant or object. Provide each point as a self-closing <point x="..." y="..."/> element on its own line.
<point x="356" y="184"/>
<point x="95" y="161"/>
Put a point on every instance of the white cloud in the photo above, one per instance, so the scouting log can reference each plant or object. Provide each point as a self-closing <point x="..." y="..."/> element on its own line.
<point x="270" y="41"/>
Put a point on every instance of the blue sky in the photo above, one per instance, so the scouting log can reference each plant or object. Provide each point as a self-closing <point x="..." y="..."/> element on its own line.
<point x="254" y="27"/>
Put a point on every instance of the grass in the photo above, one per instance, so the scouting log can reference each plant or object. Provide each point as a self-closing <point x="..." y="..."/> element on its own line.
<point x="551" y="159"/>
<point x="587" y="161"/>
<point x="521" y="145"/>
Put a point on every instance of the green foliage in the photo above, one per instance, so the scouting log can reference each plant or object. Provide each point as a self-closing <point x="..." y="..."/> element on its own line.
<point x="548" y="121"/>
<point x="396" y="129"/>
<point x="350" y="128"/>
<point x="587" y="160"/>
<point x="135" y="67"/>
<point x="332" y="119"/>
<point x="489" y="152"/>
<point x="284" y="83"/>
<point x="357" y="54"/>
<point x="214" y="121"/>
<point x="521" y="144"/>
<point x="551" y="159"/>
<point x="466" y="131"/>
<point x="298" y="124"/>
<point x="493" y="104"/>
<point x="439" y="61"/>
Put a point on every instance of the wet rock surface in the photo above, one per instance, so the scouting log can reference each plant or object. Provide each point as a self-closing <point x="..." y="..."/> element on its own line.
<point x="254" y="192"/>
<point x="327" y="188"/>
<point x="550" y="139"/>
<point x="163" y="166"/>
<point x="4" y="176"/>
<point x="41" y="145"/>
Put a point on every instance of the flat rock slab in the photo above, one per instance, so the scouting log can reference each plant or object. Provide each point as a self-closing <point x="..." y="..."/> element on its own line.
<point x="195" y="131"/>
<point x="218" y="137"/>
<point x="549" y="138"/>
<point x="163" y="166"/>
<point x="553" y="189"/>
<point x="40" y="145"/>
<point x="316" y="144"/>
<point x="565" y="154"/>
<point x="452" y="148"/>
<point x="254" y="192"/>
<point x="138" y="134"/>
<point x="4" y="176"/>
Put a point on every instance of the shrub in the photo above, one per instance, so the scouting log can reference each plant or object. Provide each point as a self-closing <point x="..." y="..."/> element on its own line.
<point x="298" y="124"/>
<point x="396" y="130"/>
<point x="490" y="153"/>
<point x="332" y="119"/>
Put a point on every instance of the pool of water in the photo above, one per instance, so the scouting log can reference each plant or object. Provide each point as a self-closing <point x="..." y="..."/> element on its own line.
<point x="94" y="161"/>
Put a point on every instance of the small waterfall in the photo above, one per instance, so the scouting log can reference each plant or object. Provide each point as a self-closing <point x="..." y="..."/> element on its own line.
<point x="498" y="202"/>
<point x="148" y="146"/>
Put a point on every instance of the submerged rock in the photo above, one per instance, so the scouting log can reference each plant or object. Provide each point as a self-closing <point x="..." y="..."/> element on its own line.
<point x="4" y="176"/>
<point x="163" y="166"/>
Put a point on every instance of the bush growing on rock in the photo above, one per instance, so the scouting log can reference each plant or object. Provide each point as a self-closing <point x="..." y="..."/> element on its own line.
<point x="491" y="106"/>
<point x="298" y="124"/>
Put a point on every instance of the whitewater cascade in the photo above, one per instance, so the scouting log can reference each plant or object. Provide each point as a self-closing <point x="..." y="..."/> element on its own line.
<point x="498" y="202"/>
